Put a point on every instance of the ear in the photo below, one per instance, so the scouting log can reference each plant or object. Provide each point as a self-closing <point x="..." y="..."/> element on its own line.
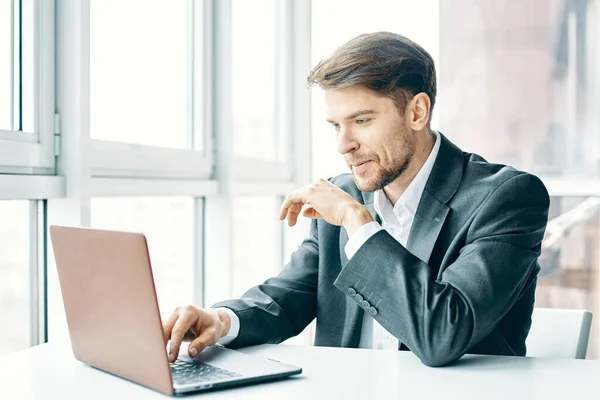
<point x="419" y="109"/>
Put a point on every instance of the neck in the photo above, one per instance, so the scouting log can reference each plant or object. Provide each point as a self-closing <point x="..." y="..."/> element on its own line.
<point x="425" y="142"/>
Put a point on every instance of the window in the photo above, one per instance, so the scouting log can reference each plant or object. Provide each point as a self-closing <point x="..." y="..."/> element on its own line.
<point x="6" y="66"/>
<point x="168" y="223"/>
<point x="27" y="165"/>
<point x="262" y="243"/>
<point x="523" y="79"/>
<point x="570" y="271"/>
<point x="16" y="70"/>
<point x="26" y="87"/>
<point x="262" y="246"/>
<point x="139" y="77"/>
<point x="254" y="79"/>
<point x="157" y="141"/>
<point x="256" y="241"/>
<point x="16" y="305"/>
<point x="262" y="97"/>
<point x="294" y="235"/>
<point x="150" y="89"/>
<point x="525" y="76"/>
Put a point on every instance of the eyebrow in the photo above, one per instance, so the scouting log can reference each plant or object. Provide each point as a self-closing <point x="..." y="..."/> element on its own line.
<point x="356" y="114"/>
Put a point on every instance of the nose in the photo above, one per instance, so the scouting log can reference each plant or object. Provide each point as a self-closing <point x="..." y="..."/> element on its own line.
<point x="346" y="141"/>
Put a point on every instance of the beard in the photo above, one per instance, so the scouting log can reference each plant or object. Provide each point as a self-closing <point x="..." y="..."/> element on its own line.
<point x="384" y="176"/>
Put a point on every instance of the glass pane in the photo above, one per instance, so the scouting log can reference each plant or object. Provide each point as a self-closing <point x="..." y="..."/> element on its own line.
<point x="17" y="48"/>
<point x="5" y="65"/>
<point x="256" y="241"/>
<point x="198" y="92"/>
<point x="254" y="79"/>
<point x="417" y="20"/>
<point x="293" y="236"/>
<point x="570" y="276"/>
<point x="15" y="302"/>
<point x="168" y="223"/>
<point x="27" y="51"/>
<point x="138" y="77"/>
<point x="518" y="81"/>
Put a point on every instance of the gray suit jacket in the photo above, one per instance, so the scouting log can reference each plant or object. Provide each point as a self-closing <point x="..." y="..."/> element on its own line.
<point x="465" y="283"/>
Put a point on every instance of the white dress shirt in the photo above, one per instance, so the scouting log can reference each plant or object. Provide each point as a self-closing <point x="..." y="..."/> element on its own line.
<point x="397" y="221"/>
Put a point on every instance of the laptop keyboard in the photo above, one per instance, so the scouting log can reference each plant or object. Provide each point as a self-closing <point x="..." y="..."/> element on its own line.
<point x="185" y="372"/>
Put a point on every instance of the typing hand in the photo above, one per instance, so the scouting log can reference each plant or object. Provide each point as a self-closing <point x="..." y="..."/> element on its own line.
<point x="202" y="327"/>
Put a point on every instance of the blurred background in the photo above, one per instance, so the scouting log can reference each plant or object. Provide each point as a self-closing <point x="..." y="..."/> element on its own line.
<point x="190" y="120"/>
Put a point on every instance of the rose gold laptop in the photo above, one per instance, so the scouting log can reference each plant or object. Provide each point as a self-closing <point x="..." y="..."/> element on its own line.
<point x="114" y="322"/>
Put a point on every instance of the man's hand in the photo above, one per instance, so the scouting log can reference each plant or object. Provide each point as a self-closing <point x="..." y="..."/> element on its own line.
<point x="326" y="201"/>
<point x="202" y="327"/>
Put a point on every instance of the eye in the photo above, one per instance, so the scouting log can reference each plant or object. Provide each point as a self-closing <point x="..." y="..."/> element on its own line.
<point x="335" y="127"/>
<point x="362" y="121"/>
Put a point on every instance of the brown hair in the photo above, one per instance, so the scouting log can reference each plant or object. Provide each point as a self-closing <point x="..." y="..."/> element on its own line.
<point x="385" y="63"/>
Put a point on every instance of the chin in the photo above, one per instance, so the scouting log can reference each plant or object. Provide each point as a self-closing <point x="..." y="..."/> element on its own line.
<point x="367" y="185"/>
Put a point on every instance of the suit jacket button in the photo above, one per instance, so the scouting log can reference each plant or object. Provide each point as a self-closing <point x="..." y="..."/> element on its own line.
<point x="373" y="311"/>
<point x="366" y="304"/>
<point x="351" y="291"/>
<point x="358" y="298"/>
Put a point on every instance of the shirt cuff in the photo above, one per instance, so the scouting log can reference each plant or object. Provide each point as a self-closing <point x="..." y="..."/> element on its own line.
<point x="359" y="237"/>
<point x="234" y="328"/>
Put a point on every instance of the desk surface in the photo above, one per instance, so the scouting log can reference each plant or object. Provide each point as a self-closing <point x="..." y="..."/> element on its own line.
<point x="50" y="372"/>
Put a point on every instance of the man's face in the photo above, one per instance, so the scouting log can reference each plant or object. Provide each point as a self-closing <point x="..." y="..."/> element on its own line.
<point x="373" y="136"/>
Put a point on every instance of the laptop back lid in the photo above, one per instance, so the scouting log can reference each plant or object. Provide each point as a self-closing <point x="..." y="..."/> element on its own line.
<point x="110" y="304"/>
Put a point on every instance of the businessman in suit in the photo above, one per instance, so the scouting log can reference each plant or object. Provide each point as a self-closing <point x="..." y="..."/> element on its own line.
<point x="422" y="247"/>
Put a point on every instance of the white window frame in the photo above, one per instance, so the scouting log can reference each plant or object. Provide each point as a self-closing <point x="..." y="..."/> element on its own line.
<point x="247" y="177"/>
<point x="257" y="170"/>
<point x="31" y="187"/>
<point x="33" y="152"/>
<point x="116" y="159"/>
<point x="96" y="168"/>
<point x="292" y="112"/>
<point x="113" y="159"/>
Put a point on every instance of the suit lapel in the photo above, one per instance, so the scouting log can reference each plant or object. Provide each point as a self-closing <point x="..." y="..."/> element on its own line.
<point x="433" y="209"/>
<point x="426" y="227"/>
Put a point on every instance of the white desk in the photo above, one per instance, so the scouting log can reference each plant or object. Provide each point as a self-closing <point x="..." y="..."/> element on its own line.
<point x="50" y="372"/>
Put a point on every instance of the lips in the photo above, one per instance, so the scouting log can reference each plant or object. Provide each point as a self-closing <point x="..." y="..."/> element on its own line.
<point x="360" y="168"/>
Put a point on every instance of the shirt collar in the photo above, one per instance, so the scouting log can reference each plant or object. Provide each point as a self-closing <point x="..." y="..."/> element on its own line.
<point x="411" y="197"/>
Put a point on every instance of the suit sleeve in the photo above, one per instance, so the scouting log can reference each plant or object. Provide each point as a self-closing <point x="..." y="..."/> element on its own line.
<point x="282" y="306"/>
<point x="440" y="319"/>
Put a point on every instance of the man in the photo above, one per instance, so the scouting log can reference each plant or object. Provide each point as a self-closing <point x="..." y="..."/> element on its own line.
<point x="422" y="247"/>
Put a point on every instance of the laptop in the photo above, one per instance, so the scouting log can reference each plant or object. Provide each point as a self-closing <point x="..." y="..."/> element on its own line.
<point x="114" y="321"/>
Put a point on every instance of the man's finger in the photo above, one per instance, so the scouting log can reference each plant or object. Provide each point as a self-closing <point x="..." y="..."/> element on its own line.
<point x="297" y="197"/>
<point x="183" y="324"/>
<point x="206" y="338"/>
<point x="310" y="212"/>
<point x="293" y="213"/>
<point x="168" y="325"/>
<point x="287" y="203"/>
